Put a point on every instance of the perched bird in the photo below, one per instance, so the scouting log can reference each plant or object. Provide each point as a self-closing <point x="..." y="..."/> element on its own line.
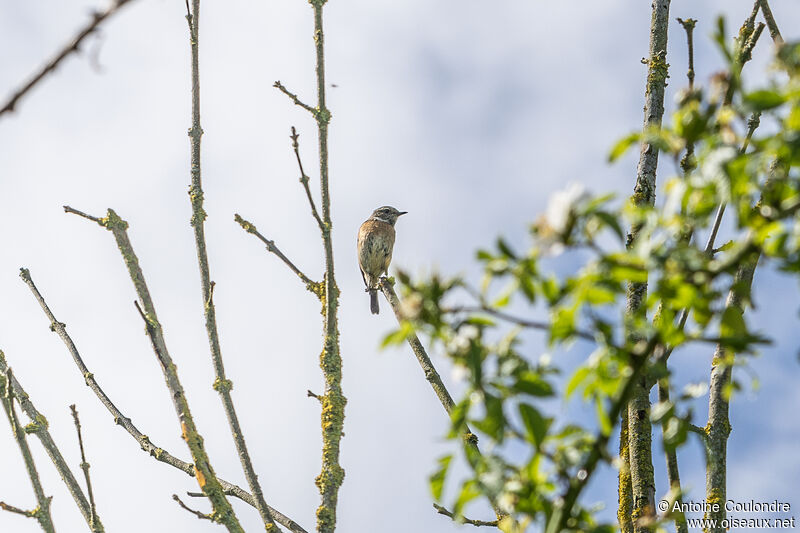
<point x="375" y="243"/>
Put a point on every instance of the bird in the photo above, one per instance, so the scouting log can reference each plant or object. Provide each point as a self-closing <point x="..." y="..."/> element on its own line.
<point x="375" y="243"/>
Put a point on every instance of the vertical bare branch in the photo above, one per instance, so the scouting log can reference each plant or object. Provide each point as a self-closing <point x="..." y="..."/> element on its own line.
<point x="206" y="478"/>
<point x="333" y="401"/>
<point x="625" y="499"/>
<point x="640" y="461"/>
<point x="39" y="427"/>
<point x="222" y="384"/>
<point x="719" y="426"/>
<point x="42" y="511"/>
<point x="72" y="47"/>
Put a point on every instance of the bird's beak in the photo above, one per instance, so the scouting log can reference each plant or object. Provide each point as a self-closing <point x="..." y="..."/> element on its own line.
<point x="402" y="213"/>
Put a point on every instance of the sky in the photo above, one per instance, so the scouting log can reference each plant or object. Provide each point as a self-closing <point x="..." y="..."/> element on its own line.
<point x="468" y="115"/>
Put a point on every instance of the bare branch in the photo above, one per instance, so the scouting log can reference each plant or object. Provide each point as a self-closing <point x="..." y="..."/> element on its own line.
<point x="222" y="384"/>
<point x="314" y="395"/>
<point x="562" y="513"/>
<point x="431" y="375"/>
<point x="304" y="179"/>
<point x="331" y="474"/>
<point x="120" y="419"/>
<point x="687" y="161"/>
<point x="72" y="47"/>
<point x="85" y="467"/>
<point x="16" y="510"/>
<point x="42" y="511"/>
<point x="198" y="514"/>
<point x="39" y="427"/>
<point x="294" y="98"/>
<point x="311" y="285"/>
<point x="773" y="27"/>
<point x="698" y="430"/>
<point x="206" y="478"/>
<point x="464" y="520"/>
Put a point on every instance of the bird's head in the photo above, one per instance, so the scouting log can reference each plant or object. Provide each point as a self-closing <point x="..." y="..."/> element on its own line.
<point x="387" y="214"/>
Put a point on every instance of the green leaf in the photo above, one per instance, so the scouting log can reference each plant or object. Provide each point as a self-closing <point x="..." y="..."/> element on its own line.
<point x="483" y="255"/>
<point x="437" y="478"/>
<point x="577" y="378"/>
<point x="675" y="433"/>
<point x="469" y="491"/>
<point x="528" y="287"/>
<point x="623" y="145"/>
<point x="732" y="322"/>
<point x="661" y="410"/>
<point x="563" y="324"/>
<point x="480" y="321"/>
<point x="494" y="423"/>
<point x="458" y="416"/>
<point x="612" y="222"/>
<point x="398" y="336"/>
<point x="602" y="416"/>
<point x="550" y="289"/>
<point x="505" y="249"/>
<point x="763" y="99"/>
<point x="532" y="383"/>
<point x="535" y="424"/>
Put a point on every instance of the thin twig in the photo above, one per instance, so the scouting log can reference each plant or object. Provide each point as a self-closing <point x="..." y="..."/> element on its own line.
<point x="698" y="430"/>
<point x="42" y="511"/>
<point x="463" y="519"/>
<point x="84" y="466"/>
<point x="687" y="162"/>
<point x="16" y="510"/>
<point x="198" y="514"/>
<point x="222" y="384"/>
<point x="120" y="419"/>
<point x="311" y="394"/>
<point x="72" y="47"/>
<point x="522" y="322"/>
<point x="304" y="179"/>
<point x="249" y="227"/>
<point x="39" y="427"/>
<point x="206" y="478"/>
<point x="688" y="26"/>
<point x="278" y="85"/>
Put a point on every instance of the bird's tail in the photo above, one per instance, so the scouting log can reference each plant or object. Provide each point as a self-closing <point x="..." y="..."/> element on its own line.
<point x="373" y="301"/>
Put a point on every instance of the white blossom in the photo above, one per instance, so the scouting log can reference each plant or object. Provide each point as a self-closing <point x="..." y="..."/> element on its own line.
<point x="695" y="390"/>
<point x="460" y="373"/>
<point x="562" y="205"/>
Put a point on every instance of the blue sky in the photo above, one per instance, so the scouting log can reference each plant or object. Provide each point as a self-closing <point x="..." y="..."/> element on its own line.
<point x="467" y="115"/>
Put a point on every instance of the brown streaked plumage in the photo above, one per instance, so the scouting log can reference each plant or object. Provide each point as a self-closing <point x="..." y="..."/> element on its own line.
<point x="375" y="243"/>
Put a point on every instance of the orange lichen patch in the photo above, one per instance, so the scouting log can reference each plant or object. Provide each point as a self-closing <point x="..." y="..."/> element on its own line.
<point x="201" y="479"/>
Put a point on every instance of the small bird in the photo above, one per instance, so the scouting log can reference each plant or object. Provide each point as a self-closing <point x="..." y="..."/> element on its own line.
<point x="375" y="243"/>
